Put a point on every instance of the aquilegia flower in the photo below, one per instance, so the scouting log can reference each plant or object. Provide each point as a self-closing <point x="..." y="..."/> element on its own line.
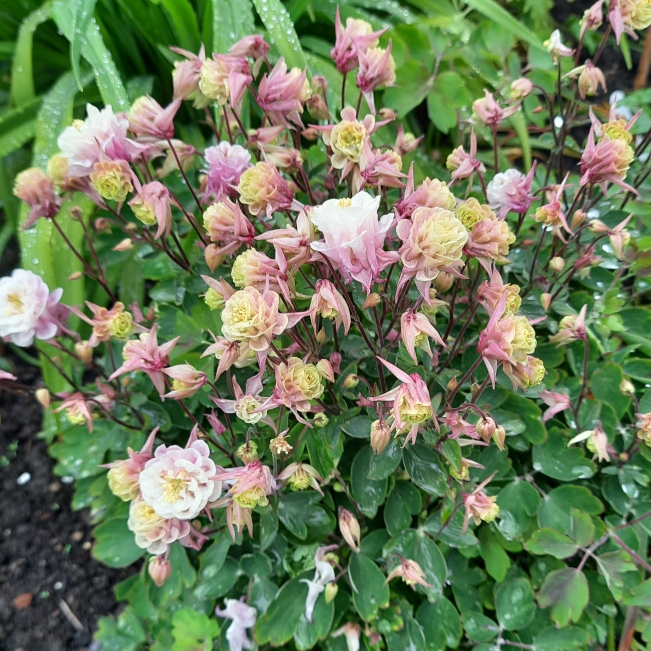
<point x="242" y="617"/>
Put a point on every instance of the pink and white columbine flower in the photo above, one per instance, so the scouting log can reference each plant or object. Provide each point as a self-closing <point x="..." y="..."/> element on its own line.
<point x="571" y="328"/>
<point x="77" y="408"/>
<point x="412" y="405"/>
<point x="226" y="164"/>
<point x="556" y="402"/>
<point x="28" y="308"/>
<point x="282" y="93"/>
<point x="328" y="303"/>
<point x="458" y="425"/>
<point x="556" y="47"/>
<point x="248" y="486"/>
<point x="552" y="213"/>
<point x="596" y="442"/>
<point x="101" y="136"/>
<point x="242" y="617"/>
<point x="619" y="236"/>
<point x="186" y="381"/>
<point x="376" y="69"/>
<point x="230" y="353"/>
<point x="153" y="532"/>
<point x="354" y="237"/>
<point x="180" y="482"/>
<point x="224" y="78"/>
<point x="490" y="113"/>
<point x="229" y="226"/>
<point x="410" y="572"/>
<point x="479" y="506"/>
<point x="415" y="330"/>
<point x="246" y="405"/>
<point x="626" y="16"/>
<point x="144" y="354"/>
<point x="251" y="47"/>
<point x="352" y="633"/>
<point x="431" y="193"/>
<point x="323" y="574"/>
<point x="462" y="164"/>
<point x="356" y="37"/>
<point x="150" y="121"/>
<point x="38" y="191"/>
<point x="511" y="191"/>
<point x="294" y="242"/>
<point x="153" y="205"/>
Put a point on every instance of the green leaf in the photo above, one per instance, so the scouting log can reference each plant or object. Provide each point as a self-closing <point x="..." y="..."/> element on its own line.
<point x="566" y="591"/>
<point x="82" y="13"/>
<point x="402" y="504"/>
<point x="518" y="502"/>
<point x="520" y="125"/>
<point x="232" y="19"/>
<point x="478" y="627"/>
<point x="613" y="565"/>
<point x="256" y="564"/>
<point x="307" y="634"/>
<point x="554" y="459"/>
<point x="582" y="528"/>
<point x="370" y="591"/>
<point x="424" y="468"/>
<point x="496" y="559"/>
<point x="429" y="557"/>
<point x="358" y="427"/>
<point x="125" y="634"/>
<point x="441" y="624"/>
<point x="410" y="637"/>
<point x="605" y="383"/>
<point x="193" y="631"/>
<point x="549" y="541"/>
<point x="640" y="595"/>
<point x="638" y="369"/>
<point x="17" y="127"/>
<point x="115" y="545"/>
<point x="452" y="452"/>
<point x="184" y="20"/>
<point x="280" y="29"/>
<point x="566" y="639"/>
<point x="383" y="465"/>
<point x="493" y="11"/>
<point x="22" y="76"/>
<point x="514" y="604"/>
<point x="415" y="85"/>
<point x="297" y="511"/>
<point x="452" y="534"/>
<point x="556" y="507"/>
<point x="216" y="584"/>
<point x="368" y="493"/>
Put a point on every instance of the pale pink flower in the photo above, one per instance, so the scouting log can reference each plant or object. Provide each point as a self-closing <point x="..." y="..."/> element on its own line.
<point x="247" y="405"/>
<point x="479" y="506"/>
<point x="628" y="15"/>
<point x="219" y="291"/>
<point x="159" y="570"/>
<point x="377" y="69"/>
<point x="294" y="242"/>
<point x="146" y="355"/>
<point x="571" y="328"/>
<point x="242" y="617"/>
<point x="528" y="373"/>
<point x="77" y="408"/>
<point x="354" y="237"/>
<point x="28" y="308"/>
<point x="458" y="425"/>
<point x="106" y="323"/>
<point x="511" y="190"/>
<point x="263" y="189"/>
<point x="248" y="486"/>
<point x="356" y="37"/>
<point x="230" y="353"/>
<point x="412" y="405"/>
<point x="102" y="136"/>
<point x="405" y="142"/>
<point x="552" y="213"/>
<point x="282" y="93"/>
<point x="643" y="423"/>
<point x="252" y="46"/>
<point x="227" y="225"/>
<point x="186" y="381"/>
<point x="556" y="402"/>
<point x="521" y="88"/>
<point x="490" y="292"/>
<point x="382" y="170"/>
<point x="489" y="241"/>
<point x="432" y="241"/>
<point x="431" y="193"/>
<point x="252" y="268"/>
<point x="328" y="303"/>
<point x="590" y="79"/>
<point x="38" y="191"/>
<point x="556" y="47"/>
<point x="226" y="164"/>
<point x="323" y="574"/>
<point x="297" y="384"/>
<point x="462" y="164"/>
<point x="185" y="77"/>
<point x="4" y="375"/>
<point x="489" y="112"/>
<point x="180" y="482"/>
<point x="410" y="572"/>
<point x="352" y="633"/>
<point x="148" y="119"/>
<point x="592" y="17"/>
<point x="619" y="236"/>
<point x="596" y="442"/>
<point x="173" y="150"/>
<point x="153" y="532"/>
<point x="416" y="331"/>
<point x="301" y="476"/>
<point x="152" y="205"/>
<point x="224" y="78"/>
<point x="606" y="161"/>
<point x="123" y="475"/>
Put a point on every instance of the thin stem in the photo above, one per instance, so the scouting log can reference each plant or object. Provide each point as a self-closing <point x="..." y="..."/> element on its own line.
<point x="183" y="174"/>
<point x="343" y="91"/>
<point x="463" y="380"/>
<point x="584" y="383"/>
<point x="635" y="556"/>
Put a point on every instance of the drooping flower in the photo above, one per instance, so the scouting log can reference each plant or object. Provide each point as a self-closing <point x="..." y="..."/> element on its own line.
<point x="415" y="330"/>
<point x="356" y="37"/>
<point x="252" y="268"/>
<point x="383" y="169"/>
<point x="224" y="78"/>
<point x="596" y="442"/>
<point x="552" y="213"/>
<point x="77" y="408"/>
<point x="230" y="353"/>
<point x="180" y="482"/>
<point x="432" y="241"/>
<point x="463" y="164"/>
<point x="556" y="401"/>
<point x="590" y="79"/>
<point x="248" y="486"/>
<point x="263" y="189"/>
<point x="479" y="506"/>
<point x="159" y="569"/>
<point x="521" y="88"/>
<point x="227" y="225"/>
<point x="301" y="476"/>
<point x="149" y="120"/>
<point x="323" y="574"/>
<point x="186" y="381"/>
<point x="101" y="136"/>
<point x="377" y="69"/>
<point x="354" y="237"/>
<point x="28" y="308"/>
<point x="619" y="236"/>
<point x="643" y="424"/>
<point x="410" y="572"/>
<point x="592" y="18"/>
<point x="242" y="617"/>
<point x="606" y="161"/>
<point x="226" y="164"/>
<point x="489" y="240"/>
<point x="144" y="354"/>
<point x="153" y="205"/>
<point x="352" y="633"/>
<point x="294" y="242"/>
<point x="282" y="94"/>
<point x="107" y="324"/>
<point x="490" y="113"/>
<point x="38" y="191"/>
<point x="556" y="48"/>
<point x="571" y="328"/>
<point x="252" y="46"/>
<point x="328" y="303"/>
<point x="123" y="475"/>
<point x="490" y="292"/>
<point x="511" y="190"/>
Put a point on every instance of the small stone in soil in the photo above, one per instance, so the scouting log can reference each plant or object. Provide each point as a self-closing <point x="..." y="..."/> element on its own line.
<point x="23" y="600"/>
<point x="23" y="479"/>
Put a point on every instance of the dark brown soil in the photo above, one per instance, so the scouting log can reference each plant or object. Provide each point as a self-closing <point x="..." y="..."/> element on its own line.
<point x="45" y="559"/>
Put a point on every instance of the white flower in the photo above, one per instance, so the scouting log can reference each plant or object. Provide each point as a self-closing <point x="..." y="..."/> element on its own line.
<point x="243" y="617"/>
<point x="101" y="136"/>
<point x="354" y="236"/>
<point x="179" y="482"/>
<point x="153" y="533"/>
<point x="556" y="47"/>
<point x="352" y="632"/>
<point x="26" y="308"/>
<point x="323" y="575"/>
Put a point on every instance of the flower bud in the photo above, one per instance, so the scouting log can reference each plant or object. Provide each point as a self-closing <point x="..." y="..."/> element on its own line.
<point x="499" y="436"/>
<point x="521" y="88"/>
<point x="112" y="180"/>
<point x="452" y="384"/>
<point x="310" y="134"/>
<point x="321" y="336"/>
<point x="75" y="275"/>
<point x="213" y="257"/>
<point x="125" y="245"/>
<point x="57" y="169"/>
<point x="248" y="452"/>
<point x="320" y="419"/>
<point x="380" y="436"/>
<point x="626" y="386"/>
<point x="43" y="397"/>
<point x="556" y="263"/>
<point x="486" y="428"/>
<point x="372" y="300"/>
<point x="317" y="107"/>
<point x="546" y="300"/>
<point x="578" y="218"/>
<point x="349" y="527"/>
<point x="598" y="227"/>
<point x="84" y="351"/>
<point x="351" y="381"/>
<point x="325" y="370"/>
<point x="443" y="282"/>
<point x="331" y="591"/>
<point x="159" y="569"/>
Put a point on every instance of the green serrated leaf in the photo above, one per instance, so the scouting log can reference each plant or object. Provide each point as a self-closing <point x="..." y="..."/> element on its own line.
<point x="566" y="591"/>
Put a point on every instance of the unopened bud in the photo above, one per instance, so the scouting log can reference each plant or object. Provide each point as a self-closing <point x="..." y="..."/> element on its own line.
<point x="443" y="282"/>
<point x="486" y="428"/>
<point x="372" y="300"/>
<point x="132" y="226"/>
<point x="499" y="437"/>
<point x="380" y="436"/>
<point x="159" y="569"/>
<point x="546" y="300"/>
<point x="320" y="419"/>
<point x="338" y="488"/>
<point x="76" y="275"/>
<point x="626" y="386"/>
<point x="310" y="134"/>
<point x="387" y="114"/>
<point x="317" y="107"/>
<point x="578" y="218"/>
<point x="452" y="384"/>
<point x="521" y="88"/>
<point x="84" y="351"/>
<point x="331" y="592"/>
<point x="598" y="227"/>
<point x="125" y="245"/>
<point x="556" y="263"/>
<point x="321" y="336"/>
<point x="76" y="213"/>
<point x="623" y="456"/>
<point x="102" y="225"/>
<point x="325" y="370"/>
<point x="349" y="528"/>
<point x="351" y="381"/>
<point x="43" y="397"/>
<point x="213" y="257"/>
<point x="248" y="452"/>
